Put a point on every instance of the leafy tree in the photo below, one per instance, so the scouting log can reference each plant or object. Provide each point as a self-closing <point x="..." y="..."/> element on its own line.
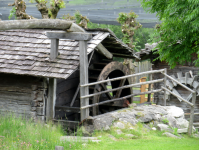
<point x="178" y="31"/>
<point x="129" y="25"/>
<point x="19" y="9"/>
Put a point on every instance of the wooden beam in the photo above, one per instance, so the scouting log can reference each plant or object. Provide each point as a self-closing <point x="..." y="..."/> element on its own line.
<point x="68" y="35"/>
<point x="54" y="48"/>
<point x="75" y="96"/>
<point x="120" y="90"/>
<point x="124" y="77"/>
<point x="179" y="83"/>
<point x="59" y="148"/>
<point x="83" y="78"/>
<point x="190" y="128"/>
<point x="107" y="94"/>
<point x="177" y="96"/>
<point x="68" y="109"/>
<point x="124" y="87"/>
<point x="35" y="24"/>
<point x="118" y="99"/>
<point x="103" y="51"/>
<point x="50" y="109"/>
<point x="165" y="82"/>
<point x="125" y="56"/>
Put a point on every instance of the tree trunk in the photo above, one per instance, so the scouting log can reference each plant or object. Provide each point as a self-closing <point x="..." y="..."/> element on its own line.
<point x="36" y="23"/>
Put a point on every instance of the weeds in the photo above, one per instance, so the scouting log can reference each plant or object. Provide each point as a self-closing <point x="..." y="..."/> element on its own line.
<point x="24" y="134"/>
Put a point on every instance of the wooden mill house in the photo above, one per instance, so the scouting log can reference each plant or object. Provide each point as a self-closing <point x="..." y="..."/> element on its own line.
<point x="40" y="75"/>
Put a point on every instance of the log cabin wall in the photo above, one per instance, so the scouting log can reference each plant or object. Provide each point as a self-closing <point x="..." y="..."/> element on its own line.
<point x="66" y="89"/>
<point x="22" y="96"/>
<point x="158" y="97"/>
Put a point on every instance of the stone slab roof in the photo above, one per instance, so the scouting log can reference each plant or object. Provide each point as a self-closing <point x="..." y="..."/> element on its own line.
<point x="27" y="52"/>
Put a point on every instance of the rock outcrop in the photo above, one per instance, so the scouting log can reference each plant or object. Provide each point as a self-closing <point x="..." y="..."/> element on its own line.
<point x="163" y="118"/>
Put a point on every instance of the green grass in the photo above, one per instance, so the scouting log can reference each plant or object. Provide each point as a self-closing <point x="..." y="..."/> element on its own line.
<point x="145" y="140"/>
<point x="26" y="135"/>
<point x="19" y="134"/>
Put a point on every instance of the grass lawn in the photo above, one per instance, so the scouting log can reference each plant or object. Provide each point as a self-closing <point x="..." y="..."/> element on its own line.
<point x="18" y="134"/>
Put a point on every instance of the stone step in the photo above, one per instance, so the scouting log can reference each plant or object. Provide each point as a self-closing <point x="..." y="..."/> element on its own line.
<point x="79" y="139"/>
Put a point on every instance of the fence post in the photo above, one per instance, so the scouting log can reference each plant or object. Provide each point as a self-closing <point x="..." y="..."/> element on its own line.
<point x="150" y="79"/>
<point x="192" y="114"/>
<point x="83" y="78"/>
<point x="59" y="148"/>
<point x="165" y="81"/>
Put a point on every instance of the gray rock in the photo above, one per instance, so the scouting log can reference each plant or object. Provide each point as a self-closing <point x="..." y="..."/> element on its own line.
<point x="131" y="121"/>
<point x="146" y="118"/>
<point x="171" y="121"/>
<point x="130" y="135"/>
<point x="102" y="121"/>
<point x="106" y="128"/>
<point x="171" y="135"/>
<point x="175" y="111"/>
<point x="182" y="123"/>
<point x="154" y="129"/>
<point x="119" y="131"/>
<point x="182" y="130"/>
<point x="164" y="127"/>
<point x="119" y="125"/>
<point x="139" y="109"/>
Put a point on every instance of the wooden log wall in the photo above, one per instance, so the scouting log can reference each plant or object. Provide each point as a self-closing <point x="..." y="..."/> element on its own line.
<point x="22" y="96"/>
<point x="66" y="89"/>
<point x="158" y="97"/>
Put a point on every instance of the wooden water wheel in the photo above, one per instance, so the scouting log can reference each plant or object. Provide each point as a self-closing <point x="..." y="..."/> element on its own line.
<point x="189" y="80"/>
<point x="108" y="69"/>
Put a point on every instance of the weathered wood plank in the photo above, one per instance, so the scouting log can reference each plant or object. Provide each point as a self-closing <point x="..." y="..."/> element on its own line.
<point x="102" y="50"/>
<point x="83" y="78"/>
<point x="124" y="77"/>
<point x="54" y="48"/>
<point x="68" y="35"/>
<point x="50" y="109"/>
<point x="35" y="23"/>
<point x="118" y="99"/>
<point x="126" y="86"/>
<point x="67" y="109"/>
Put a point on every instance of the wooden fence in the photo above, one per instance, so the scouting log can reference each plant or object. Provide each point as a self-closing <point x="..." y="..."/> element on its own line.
<point x="163" y="71"/>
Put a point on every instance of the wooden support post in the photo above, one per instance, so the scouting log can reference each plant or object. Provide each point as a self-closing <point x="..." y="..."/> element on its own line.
<point x="142" y="89"/>
<point x="83" y="78"/>
<point x="165" y="80"/>
<point x="50" y="109"/>
<point x="54" y="48"/>
<point x="192" y="114"/>
<point x="59" y="148"/>
<point x="149" y="89"/>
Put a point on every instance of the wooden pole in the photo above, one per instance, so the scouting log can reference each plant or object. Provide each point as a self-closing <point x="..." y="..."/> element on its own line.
<point x="142" y="89"/>
<point x="83" y="78"/>
<point x="50" y="109"/>
<point x="190" y="129"/>
<point x="35" y="24"/>
<point x="165" y="92"/>
<point x="124" y="77"/>
<point x="118" y="99"/>
<point x="150" y="79"/>
<point x="126" y="86"/>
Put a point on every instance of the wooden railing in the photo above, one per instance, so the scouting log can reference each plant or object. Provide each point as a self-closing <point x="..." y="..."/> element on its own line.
<point x="163" y="88"/>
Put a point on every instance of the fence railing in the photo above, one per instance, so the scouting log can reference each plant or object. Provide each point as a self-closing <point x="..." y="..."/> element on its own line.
<point x="163" y="88"/>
